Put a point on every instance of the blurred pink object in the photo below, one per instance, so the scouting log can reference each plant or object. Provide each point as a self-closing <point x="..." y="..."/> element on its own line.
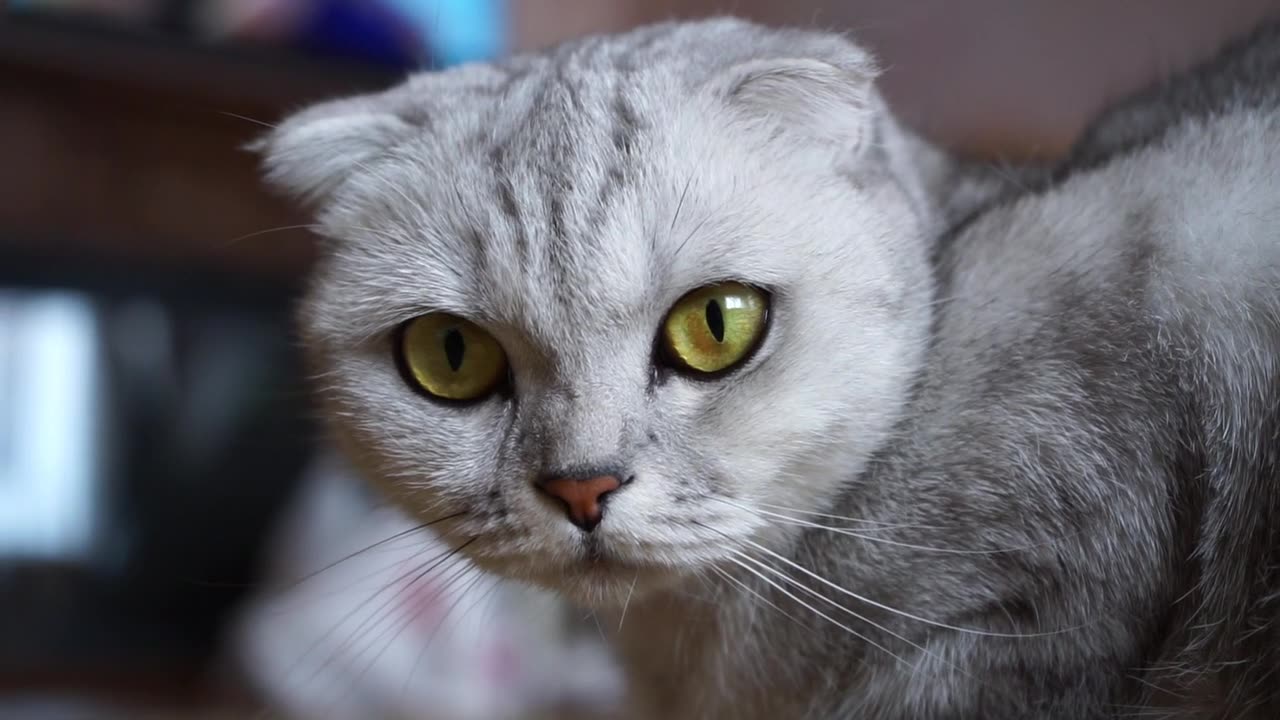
<point x="258" y="20"/>
<point x="406" y="629"/>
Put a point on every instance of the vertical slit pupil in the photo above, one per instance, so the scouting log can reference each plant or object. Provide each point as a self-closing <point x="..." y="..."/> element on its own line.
<point x="715" y="320"/>
<point x="454" y="348"/>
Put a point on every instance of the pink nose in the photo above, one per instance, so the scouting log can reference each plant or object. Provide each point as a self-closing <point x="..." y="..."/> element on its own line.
<point x="582" y="497"/>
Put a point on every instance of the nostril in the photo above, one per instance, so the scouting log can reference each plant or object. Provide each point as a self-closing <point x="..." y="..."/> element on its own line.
<point x="582" y="497"/>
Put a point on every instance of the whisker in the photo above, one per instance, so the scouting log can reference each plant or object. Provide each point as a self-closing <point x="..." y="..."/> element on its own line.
<point x="315" y="227"/>
<point x="915" y="645"/>
<point x="680" y="205"/>
<point x="463" y="570"/>
<point x="472" y="575"/>
<point x="268" y="231"/>
<point x="380" y="543"/>
<point x="855" y="615"/>
<point x="246" y="118"/>
<point x="691" y="235"/>
<point x="285" y="603"/>
<point x="879" y="524"/>
<point x="895" y="611"/>
<point x="814" y="610"/>
<point x="429" y="565"/>
<point x="480" y="576"/>
<point x="454" y="570"/>
<point x="287" y="606"/>
<point x="756" y="594"/>
<point x="397" y="629"/>
<point x="883" y="541"/>
<point x="627" y="603"/>
<point x="599" y="629"/>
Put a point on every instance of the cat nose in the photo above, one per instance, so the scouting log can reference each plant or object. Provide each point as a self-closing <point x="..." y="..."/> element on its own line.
<point x="582" y="497"/>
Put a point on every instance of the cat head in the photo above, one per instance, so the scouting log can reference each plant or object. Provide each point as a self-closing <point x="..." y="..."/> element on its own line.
<point x="606" y="306"/>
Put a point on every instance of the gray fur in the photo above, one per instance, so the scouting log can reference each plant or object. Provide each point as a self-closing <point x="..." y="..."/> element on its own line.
<point x="1060" y="423"/>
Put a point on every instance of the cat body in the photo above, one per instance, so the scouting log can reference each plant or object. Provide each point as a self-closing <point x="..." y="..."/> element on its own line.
<point x="1030" y="469"/>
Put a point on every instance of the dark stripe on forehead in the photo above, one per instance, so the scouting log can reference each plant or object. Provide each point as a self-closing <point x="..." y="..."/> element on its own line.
<point x="626" y="127"/>
<point x="560" y="107"/>
<point x="474" y="242"/>
<point x="481" y="248"/>
<point x="571" y="91"/>
<point x="499" y="165"/>
<point x="555" y="216"/>
<point x="613" y="181"/>
<point x="626" y="123"/>
<point x="558" y="249"/>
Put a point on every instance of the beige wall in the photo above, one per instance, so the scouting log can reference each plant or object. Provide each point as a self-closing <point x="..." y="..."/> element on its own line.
<point x="1010" y="77"/>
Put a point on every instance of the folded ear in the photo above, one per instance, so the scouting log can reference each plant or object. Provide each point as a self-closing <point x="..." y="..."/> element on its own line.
<point x="806" y="98"/>
<point x="313" y="152"/>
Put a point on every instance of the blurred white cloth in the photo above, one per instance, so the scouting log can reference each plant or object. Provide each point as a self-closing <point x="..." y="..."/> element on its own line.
<point x="403" y="629"/>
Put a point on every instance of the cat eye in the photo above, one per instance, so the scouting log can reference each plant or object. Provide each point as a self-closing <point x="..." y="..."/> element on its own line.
<point x="450" y="358"/>
<point x="714" y="328"/>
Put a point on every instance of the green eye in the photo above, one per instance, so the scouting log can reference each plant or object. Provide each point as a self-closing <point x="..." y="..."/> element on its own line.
<point x="714" y="328"/>
<point x="451" y="358"/>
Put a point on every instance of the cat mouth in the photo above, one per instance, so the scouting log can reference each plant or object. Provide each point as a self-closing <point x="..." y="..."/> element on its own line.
<point x="593" y="576"/>
<point x="595" y="552"/>
<point x="605" y="565"/>
<point x="599" y="557"/>
<point x="591" y="562"/>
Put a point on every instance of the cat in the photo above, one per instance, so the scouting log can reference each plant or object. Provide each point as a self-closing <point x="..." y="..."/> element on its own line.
<point x="681" y="324"/>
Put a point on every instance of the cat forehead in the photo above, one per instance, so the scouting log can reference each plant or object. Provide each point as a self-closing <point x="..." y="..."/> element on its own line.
<point x="598" y="195"/>
<point x="603" y="229"/>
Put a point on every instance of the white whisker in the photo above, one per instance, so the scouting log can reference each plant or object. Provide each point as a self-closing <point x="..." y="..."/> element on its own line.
<point x="421" y="570"/>
<point x="878" y="524"/>
<point x="756" y="594"/>
<point x="882" y="541"/>
<point x="396" y="629"/>
<point x="627" y="603"/>
<point x="596" y="619"/>
<point x="855" y="615"/>
<point x="465" y="571"/>
<point x="895" y="611"/>
<point x="480" y="576"/>
<point x="815" y="610"/>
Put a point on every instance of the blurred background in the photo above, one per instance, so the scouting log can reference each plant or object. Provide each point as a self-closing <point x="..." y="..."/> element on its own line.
<point x="154" y="419"/>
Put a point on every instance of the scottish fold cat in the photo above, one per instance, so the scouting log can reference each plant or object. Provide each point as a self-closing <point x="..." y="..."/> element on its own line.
<point x="671" y="322"/>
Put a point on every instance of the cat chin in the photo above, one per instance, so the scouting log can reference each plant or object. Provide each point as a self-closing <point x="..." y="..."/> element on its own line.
<point x="591" y="584"/>
<point x="613" y="590"/>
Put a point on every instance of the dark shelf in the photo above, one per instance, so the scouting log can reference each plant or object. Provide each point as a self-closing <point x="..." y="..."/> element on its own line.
<point x="126" y="148"/>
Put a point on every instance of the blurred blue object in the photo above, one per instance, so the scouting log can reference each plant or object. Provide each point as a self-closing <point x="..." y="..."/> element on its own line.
<point x="361" y="29"/>
<point x="459" y="31"/>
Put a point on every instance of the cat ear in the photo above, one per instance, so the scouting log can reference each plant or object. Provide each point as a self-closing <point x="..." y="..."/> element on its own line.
<point x="806" y="98"/>
<point x="312" y="152"/>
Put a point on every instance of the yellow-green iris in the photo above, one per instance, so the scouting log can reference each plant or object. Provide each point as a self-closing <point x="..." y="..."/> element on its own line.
<point x="714" y="328"/>
<point x="451" y="358"/>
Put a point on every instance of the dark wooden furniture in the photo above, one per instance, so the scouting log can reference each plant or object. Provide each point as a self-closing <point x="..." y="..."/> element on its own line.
<point x="127" y="151"/>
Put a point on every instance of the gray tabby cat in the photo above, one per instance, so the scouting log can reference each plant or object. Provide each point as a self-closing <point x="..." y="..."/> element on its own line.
<point x="662" y="321"/>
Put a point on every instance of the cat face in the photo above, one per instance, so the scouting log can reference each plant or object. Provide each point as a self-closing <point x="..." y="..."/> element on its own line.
<point x="607" y="307"/>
